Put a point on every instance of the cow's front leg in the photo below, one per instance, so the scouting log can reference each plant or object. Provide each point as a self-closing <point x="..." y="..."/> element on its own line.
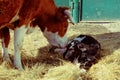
<point x="18" y="40"/>
<point x="5" y="36"/>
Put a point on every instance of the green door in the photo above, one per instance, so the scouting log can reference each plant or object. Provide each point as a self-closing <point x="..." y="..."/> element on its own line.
<point x="100" y="10"/>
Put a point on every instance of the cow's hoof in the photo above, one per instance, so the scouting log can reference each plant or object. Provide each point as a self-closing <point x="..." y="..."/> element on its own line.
<point x="7" y="59"/>
<point x="7" y="64"/>
<point x="19" y="68"/>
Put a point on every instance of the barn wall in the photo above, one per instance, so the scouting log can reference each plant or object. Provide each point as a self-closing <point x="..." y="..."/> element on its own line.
<point x="62" y="2"/>
<point x="93" y="10"/>
<point x="101" y="10"/>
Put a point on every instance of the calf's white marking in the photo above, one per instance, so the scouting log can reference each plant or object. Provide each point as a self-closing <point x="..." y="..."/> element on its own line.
<point x="80" y="38"/>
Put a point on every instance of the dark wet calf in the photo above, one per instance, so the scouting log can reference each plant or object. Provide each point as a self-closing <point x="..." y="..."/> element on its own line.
<point x="83" y="49"/>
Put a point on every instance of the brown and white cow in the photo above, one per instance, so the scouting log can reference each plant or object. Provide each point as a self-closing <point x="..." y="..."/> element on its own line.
<point x="19" y="14"/>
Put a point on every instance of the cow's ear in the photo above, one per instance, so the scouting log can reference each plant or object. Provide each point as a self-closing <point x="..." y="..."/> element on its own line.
<point x="60" y="14"/>
<point x="64" y="13"/>
<point x="68" y="14"/>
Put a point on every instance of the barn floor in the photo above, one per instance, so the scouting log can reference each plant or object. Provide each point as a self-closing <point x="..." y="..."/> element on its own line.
<point x="40" y="64"/>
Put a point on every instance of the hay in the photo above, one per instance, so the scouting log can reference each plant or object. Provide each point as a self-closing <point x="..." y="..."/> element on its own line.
<point x="64" y="72"/>
<point x="41" y="65"/>
<point x="107" y="69"/>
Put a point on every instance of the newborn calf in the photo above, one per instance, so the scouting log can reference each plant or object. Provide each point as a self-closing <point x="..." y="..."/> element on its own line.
<point x="83" y="49"/>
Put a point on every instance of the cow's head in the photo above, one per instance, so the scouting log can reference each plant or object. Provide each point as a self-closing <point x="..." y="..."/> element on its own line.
<point x="55" y="31"/>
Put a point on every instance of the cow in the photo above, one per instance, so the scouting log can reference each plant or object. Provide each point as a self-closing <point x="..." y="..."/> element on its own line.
<point x="19" y="15"/>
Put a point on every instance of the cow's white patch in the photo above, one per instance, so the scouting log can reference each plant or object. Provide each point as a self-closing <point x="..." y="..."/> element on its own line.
<point x="5" y="53"/>
<point x="54" y="39"/>
<point x="18" y="39"/>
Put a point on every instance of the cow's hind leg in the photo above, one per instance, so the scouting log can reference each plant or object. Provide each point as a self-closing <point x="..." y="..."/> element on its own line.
<point x="5" y="36"/>
<point x="18" y="40"/>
